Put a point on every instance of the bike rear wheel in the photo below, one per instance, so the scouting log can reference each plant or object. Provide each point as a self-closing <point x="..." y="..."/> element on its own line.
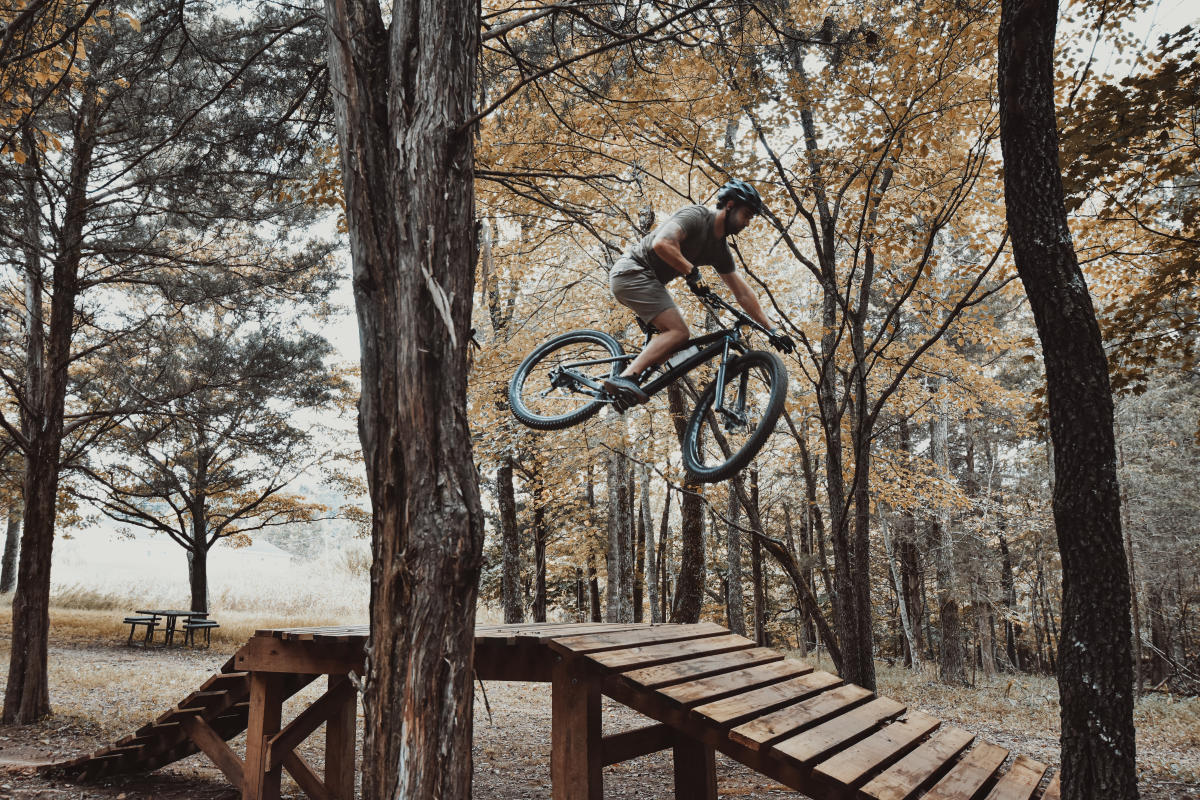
<point x="546" y="393"/>
<point x="720" y="441"/>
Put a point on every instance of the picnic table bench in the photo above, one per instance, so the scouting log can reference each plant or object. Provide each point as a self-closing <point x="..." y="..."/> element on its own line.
<point x="704" y="689"/>
<point x="192" y="621"/>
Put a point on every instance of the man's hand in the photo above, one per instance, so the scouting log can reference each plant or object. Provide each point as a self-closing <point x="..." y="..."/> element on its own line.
<point x="695" y="282"/>
<point x="781" y="341"/>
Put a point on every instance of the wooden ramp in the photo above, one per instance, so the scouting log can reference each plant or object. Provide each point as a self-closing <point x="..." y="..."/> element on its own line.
<point x="706" y="689"/>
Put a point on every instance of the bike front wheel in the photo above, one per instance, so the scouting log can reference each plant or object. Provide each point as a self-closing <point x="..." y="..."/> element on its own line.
<point x="550" y="389"/>
<point x="719" y="441"/>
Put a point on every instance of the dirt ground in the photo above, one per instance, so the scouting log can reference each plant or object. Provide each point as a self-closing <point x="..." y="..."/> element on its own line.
<point x="101" y="692"/>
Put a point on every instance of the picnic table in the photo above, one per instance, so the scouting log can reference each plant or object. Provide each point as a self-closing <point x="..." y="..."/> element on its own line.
<point x="171" y="616"/>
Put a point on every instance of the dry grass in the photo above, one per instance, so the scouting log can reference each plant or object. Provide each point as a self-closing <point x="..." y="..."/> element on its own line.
<point x="102" y="627"/>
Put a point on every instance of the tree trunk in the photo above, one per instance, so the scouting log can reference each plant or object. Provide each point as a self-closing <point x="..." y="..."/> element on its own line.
<point x="735" y="599"/>
<point x="402" y="92"/>
<point x="12" y="545"/>
<point x="652" y="585"/>
<point x="26" y="695"/>
<point x="198" y="559"/>
<point x="1008" y="587"/>
<point x="593" y="589"/>
<point x="510" y="574"/>
<point x="689" y="586"/>
<point x="619" y="588"/>
<point x="664" y="583"/>
<point x="756" y="568"/>
<point x="952" y="666"/>
<point x="1095" y="660"/>
<point x="639" y="563"/>
<point x="539" y="556"/>
<point x="907" y="629"/>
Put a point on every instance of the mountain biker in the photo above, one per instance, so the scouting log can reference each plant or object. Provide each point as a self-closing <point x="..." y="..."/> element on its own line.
<point x="691" y="237"/>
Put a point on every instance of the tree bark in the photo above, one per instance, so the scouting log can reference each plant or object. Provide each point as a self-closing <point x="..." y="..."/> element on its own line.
<point x="198" y="558"/>
<point x="1095" y="657"/>
<point x="510" y="573"/>
<point x="26" y="695"/>
<point x="12" y="545"/>
<point x="402" y="92"/>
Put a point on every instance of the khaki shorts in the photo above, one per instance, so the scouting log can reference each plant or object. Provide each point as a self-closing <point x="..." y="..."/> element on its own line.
<point x="636" y="288"/>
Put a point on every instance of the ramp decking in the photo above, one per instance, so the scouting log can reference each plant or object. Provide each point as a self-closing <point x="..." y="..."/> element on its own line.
<point x="707" y="691"/>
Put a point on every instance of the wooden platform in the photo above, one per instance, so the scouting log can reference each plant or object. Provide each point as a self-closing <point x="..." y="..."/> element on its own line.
<point x="705" y="689"/>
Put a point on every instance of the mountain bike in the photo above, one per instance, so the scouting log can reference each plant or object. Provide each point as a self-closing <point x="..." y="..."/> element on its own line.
<point x="560" y="384"/>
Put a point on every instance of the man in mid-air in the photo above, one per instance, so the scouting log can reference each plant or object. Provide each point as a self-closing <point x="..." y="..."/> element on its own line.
<point x="693" y="236"/>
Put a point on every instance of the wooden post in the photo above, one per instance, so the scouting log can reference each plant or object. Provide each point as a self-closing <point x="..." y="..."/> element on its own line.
<point x="575" y="750"/>
<point x="339" y="745"/>
<point x="695" y="770"/>
<point x="265" y="716"/>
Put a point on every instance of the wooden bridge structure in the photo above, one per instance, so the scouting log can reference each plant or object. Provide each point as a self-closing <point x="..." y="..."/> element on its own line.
<point x="705" y="690"/>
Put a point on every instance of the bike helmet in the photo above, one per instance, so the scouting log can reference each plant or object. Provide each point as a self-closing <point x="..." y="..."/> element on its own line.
<point x="740" y="192"/>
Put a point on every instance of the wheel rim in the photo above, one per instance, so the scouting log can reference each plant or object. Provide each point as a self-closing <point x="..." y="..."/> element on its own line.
<point x="742" y="416"/>
<point x="547" y="389"/>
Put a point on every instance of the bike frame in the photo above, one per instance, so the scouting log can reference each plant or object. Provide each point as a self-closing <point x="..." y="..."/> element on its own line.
<point x="710" y="345"/>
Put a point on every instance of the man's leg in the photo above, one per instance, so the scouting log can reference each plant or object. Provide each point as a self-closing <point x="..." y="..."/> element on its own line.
<point x="673" y="332"/>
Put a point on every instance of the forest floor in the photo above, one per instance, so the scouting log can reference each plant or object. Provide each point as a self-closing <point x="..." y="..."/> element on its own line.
<point x="101" y="690"/>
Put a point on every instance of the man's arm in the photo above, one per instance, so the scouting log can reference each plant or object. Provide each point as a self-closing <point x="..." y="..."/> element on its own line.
<point x="666" y="246"/>
<point x="746" y="297"/>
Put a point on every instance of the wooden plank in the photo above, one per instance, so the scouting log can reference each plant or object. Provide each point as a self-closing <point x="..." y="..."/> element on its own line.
<point x="1054" y="789"/>
<point x="575" y="741"/>
<point x="655" y="654"/>
<point x="706" y="690"/>
<point x="305" y="778"/>
<point x="340" y="732"/>
<point x="213" y="746"/>
<point x="614" y="640"/>
<point x="680" y="671"/>
<point x="903" y="778"/>
<point x="969" y="775"/>
<point x="851" y="766"/>
<point x="619" y="747"/>
<point x="769" y="728"/>
<point x="839" y="731"/>
<point x="1020" y="781"/>
<point x="739" y="708"/>
<point x="695" y="769"/>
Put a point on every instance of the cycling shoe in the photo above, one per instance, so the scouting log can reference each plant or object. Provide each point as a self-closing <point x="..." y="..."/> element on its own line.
<point x="621" y="386"/>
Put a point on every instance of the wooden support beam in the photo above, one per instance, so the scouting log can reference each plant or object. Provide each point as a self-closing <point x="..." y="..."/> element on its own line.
<point x="695" y="770"/>
<point x="309" y="720"/>
<point x="340" y="730"/>
<point x="640" y="742"/>
<point x="266" y="710"/>
<point x="307" y="657"/>
<point x="305" y="778"/>
<point x="213" y="746"/>
<point x="575" y="739"/>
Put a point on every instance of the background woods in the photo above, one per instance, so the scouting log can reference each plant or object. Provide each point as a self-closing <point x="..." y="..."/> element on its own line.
<point x="182" y="182"/>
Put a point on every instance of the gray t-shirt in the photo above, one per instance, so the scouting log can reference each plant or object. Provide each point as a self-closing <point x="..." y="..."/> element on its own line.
<point x="700" y="246"/>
